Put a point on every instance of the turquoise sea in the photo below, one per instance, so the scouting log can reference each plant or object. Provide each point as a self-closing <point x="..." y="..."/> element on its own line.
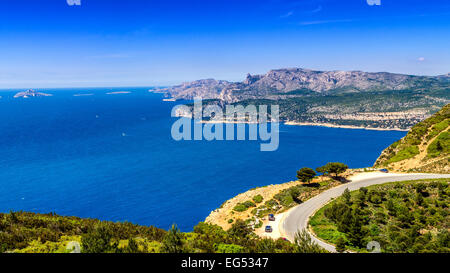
<point x="112" y="157"/>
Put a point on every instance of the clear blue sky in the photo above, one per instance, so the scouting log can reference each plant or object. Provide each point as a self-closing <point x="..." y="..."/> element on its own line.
<point x="48" y="43"/>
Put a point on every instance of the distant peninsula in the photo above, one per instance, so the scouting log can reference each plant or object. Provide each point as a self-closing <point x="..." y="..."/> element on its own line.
<point x="31" y="93"/>
<point x="354" y="99"/>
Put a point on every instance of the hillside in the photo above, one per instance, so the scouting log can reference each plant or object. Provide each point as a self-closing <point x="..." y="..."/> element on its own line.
<point x="345" y="98"/>
<point x="426" y="147"/>
<point x="26" y="232"/>
<point x="403" y="217"/>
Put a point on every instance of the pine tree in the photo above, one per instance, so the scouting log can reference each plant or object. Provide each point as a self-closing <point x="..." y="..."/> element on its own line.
<point x="172" y="242"/>
<point x="340" y="245"/>
<point x="99" y="241"/>
<point x="347" y="196"/>
<point x="306" y="174"/>
<point x="305" y="244"/>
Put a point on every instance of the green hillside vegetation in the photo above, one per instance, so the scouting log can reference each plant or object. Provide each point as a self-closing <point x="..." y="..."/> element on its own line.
<point x="433" y="128"/>
<point x="30" y="232"/>
<point x="50" y="233"/>
<point x="440" y="146"/>
<point x="410" y="216"/>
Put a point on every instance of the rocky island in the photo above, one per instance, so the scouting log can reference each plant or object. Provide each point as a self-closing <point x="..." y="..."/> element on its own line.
<point x="31" y="93"/>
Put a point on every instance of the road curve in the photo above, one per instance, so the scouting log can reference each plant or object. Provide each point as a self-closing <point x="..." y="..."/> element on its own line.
<point x="298" y="217"/>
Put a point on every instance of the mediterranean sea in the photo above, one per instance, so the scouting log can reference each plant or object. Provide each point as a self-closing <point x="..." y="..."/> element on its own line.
<point x="108" y="154"/>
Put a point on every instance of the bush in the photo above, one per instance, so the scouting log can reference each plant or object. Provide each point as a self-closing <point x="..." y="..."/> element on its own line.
<point x="240" y="208"/>
<point x="172" y="242"/>
<point x="249" y="204"/>
<point x="287" y="196"/>
<point x="99" y="241"/>
<point x="441" y="145"/>
<point x="229" y="248"/>
<point x="244" y="206"/>
<point x="258" y="198"/>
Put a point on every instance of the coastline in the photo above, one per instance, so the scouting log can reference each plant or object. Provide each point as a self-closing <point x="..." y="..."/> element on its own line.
<point x="295" y="123"/>
<point x="331" y="125"/>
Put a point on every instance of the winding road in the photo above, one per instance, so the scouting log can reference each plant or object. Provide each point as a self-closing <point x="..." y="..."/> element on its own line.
<point x="298" y="217"/>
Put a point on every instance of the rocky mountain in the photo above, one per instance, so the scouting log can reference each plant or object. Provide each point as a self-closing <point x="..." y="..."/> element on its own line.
<point x="276" y="84"/>
<point x="330" y="98"/>
<point x="426" y="147"/>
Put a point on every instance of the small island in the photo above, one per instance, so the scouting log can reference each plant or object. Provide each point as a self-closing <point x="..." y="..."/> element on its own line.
<point x="118" y="92"/>
<point x="31" y="93"/>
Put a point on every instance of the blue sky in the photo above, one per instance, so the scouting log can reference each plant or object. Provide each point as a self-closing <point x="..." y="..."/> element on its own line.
<point x="47" y="43"/>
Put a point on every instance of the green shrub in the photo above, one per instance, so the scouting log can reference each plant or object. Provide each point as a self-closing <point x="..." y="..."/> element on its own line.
<point x="405" y="153"/>
<point x="229" y="248"/>
<point x="271" y="203"/>
<point x="249" y="204"/>
<point x="436" y="129"/>
<point x="440" y="146"/>
<point x="258" y="198"/>
<point x="240" y="208"/>
<point x="244" y="206"/>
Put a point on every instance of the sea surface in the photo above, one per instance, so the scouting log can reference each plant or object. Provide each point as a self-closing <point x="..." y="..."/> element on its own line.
<point x="112" y="157"/>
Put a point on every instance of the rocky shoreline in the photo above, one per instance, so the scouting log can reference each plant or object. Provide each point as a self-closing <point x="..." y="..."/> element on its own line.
<point x="331" y="125"/>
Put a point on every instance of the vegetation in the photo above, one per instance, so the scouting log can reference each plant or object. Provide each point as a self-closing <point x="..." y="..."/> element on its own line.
<point x="100" y="240"/>
<point x="292" y="196"/>
<point x="341" y="245"/>
<point x="258" y="198"/>
<point x="172" y="242"/>
<point x="244" y="206"/>
<point x="425" y="142"/>
<point x="30" y="232"/>
<point x="306" y="174"/>
<point x="305" y="244"/>
<point x="403" y="217"/>
<point x="335" y="168"/>
<point x="405" y="153"/>
<point x="440" y="146"/>
<point x="51" y="233"/>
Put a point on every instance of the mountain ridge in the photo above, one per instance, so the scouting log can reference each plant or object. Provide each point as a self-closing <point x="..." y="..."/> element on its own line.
<point x="356" y="99"/>
<point x="284" y="81"/>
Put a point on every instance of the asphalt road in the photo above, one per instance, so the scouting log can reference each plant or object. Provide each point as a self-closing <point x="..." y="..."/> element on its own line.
<point x="298" y="217"/>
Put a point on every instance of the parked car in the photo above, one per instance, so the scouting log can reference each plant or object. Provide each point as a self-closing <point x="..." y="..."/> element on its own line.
<point x="384" y="170"/>
<point x="268" y="229"/>
<point x="271" y="217"/>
